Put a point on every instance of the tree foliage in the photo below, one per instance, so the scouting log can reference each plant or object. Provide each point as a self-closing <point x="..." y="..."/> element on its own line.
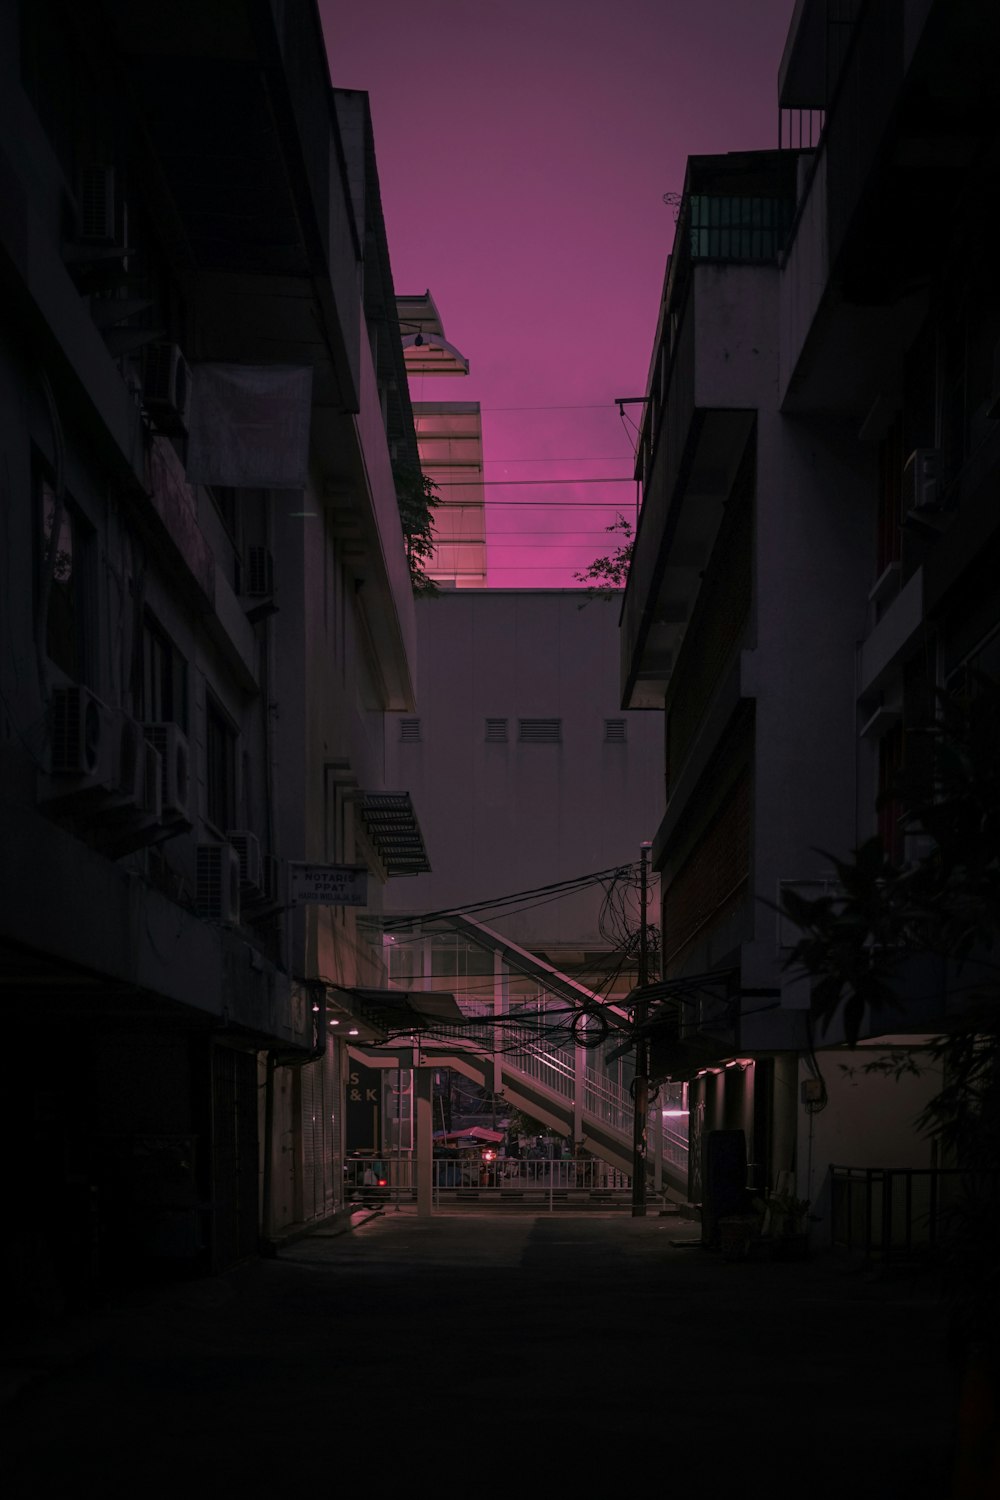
<point x="417" y="495"/>
<point x="945" y="904"/>
<point x="606" y="574"/>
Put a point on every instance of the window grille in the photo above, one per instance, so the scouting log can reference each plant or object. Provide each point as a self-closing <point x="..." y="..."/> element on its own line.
<point x="539" y="731"/>
<point x="409" y="731"/>
<point x="614" y="731"/>
<point x="496" y="731"/>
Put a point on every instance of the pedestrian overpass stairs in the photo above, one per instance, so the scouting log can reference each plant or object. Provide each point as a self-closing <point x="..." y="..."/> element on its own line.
<point x="572" y="1100"/>
<point x="545" y="1069"/>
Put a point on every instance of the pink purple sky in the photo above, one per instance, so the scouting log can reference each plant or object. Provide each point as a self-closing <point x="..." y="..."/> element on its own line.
<point x="524" y="147"/>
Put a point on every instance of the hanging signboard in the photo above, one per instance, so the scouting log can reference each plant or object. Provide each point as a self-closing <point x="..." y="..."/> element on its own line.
<point x="328" y="885"/>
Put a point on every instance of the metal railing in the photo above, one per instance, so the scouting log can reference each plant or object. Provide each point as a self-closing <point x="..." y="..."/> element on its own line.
<point x="896" y="1213"/>
<point x="382" y="1181"/>
<point x="530" y="1055"/>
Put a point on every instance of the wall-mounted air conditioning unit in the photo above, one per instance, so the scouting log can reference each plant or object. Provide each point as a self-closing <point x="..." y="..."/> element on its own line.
<point x="258" y="573"/>
<point x="131" y="814"/>
<point x="217" y="893"/>
<point x="166" y="387"/>
<point x="175" y="795"/>
<point x="128" y="793"/>
<point x="922" y="481"/>
<point x="98" y="206"/>
<point x="83" y="750"/>
<point x="247" y="846"/>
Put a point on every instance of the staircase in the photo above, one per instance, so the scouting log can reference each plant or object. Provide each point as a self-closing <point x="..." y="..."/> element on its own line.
<point x="544" y="1082"/>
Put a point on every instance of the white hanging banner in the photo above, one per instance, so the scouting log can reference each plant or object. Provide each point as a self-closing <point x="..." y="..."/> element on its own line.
<point x="249" y="426"/>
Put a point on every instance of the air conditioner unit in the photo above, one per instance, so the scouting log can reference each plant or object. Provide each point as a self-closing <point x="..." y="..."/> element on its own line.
<point x="175" y="795"/>
<point x="217" y="894"/>
<point x="83" y="747"/>
<point x="98" y="205"/>
<point x="166" y="387"/>
<point x="258" y="575"/>
<point x="129" y="790"/>
<point x="922" y="481"/>
<point x="247" y="846"/>
<point x="131" y="815"/>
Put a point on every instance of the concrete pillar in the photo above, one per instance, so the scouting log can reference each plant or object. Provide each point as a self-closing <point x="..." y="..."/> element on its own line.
<point x="500" y="1007"/>
<point x="658" y="1145"/>
<point x="784" y="1114"/>
<point x="579" y="1087"/>
<point x="423" y="1087"/>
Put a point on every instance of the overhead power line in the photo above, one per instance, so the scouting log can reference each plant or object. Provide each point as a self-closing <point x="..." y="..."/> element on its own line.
<point x="577" y="882"/>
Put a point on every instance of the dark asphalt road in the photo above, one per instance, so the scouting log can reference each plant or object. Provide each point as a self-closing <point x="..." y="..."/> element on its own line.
<point x="481" y="1356"/>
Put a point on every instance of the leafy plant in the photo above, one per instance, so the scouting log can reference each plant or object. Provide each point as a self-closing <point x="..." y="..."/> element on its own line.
<point x="417" y="495"/>
<point x="946" y="904"/>
<point x="606" y="574"/>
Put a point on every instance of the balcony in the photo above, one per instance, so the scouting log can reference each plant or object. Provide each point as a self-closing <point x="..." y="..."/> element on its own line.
<point x="713" y="367"/>
<point x="250" y="183"/>
<point x="904" y="93"/>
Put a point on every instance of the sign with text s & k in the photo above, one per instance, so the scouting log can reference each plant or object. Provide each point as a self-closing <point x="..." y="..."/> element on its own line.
<point x="328" y="885"/>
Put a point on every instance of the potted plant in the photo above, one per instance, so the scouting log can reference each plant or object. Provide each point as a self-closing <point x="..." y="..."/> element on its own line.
<point x="785" y="1223"/>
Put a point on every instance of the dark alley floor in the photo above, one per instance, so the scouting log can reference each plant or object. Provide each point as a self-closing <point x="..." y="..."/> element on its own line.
<point x="494" y="1355"/>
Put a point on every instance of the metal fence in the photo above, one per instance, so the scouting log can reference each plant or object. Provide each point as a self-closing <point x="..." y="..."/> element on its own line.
<point x="898" y="1213"/>
<point x="467" y="1177"/>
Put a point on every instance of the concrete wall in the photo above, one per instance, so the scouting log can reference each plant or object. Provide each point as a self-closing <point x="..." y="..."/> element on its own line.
<point x="813" y="547"/>
<point x="500" y="818"/>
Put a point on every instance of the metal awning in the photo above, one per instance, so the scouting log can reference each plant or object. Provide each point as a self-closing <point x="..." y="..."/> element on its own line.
<point x="415" y="1009"/>
<point x="392" y="826"/>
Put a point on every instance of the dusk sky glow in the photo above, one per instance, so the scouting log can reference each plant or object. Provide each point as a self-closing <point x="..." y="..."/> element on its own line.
<point x="523" y="149"/>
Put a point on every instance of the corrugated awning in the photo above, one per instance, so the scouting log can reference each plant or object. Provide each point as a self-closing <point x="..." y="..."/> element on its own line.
<point x="392" y="826"/>
<point x="416" y="1009"/>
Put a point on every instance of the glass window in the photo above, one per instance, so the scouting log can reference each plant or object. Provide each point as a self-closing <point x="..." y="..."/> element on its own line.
<point x="164" y="678"/>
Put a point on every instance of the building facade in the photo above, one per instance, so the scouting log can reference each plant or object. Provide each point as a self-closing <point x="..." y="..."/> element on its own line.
<point x="450" y="444"/>
<point x="207" y="614"/>
<point x="812" y="562"/>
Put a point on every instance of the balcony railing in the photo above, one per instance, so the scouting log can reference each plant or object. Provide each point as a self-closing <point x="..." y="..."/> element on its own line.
<point x="735" y="228"/>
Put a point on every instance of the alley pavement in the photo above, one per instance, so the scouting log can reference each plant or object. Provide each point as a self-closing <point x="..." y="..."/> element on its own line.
<point x="490" y="1355"/>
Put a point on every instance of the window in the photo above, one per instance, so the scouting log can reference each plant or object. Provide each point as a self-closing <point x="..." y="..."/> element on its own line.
<point x="64" y="562"/>
<point x="496" y="731"/>
<point x="614" y="731"/>
<point x="163" y="695"/>
<point x="220" y="767"/>
<point x="539" y="731"/>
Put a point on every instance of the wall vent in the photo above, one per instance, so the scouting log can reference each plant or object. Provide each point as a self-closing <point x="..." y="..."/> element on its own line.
<point x="496" y="731"/>
<point x="409" y="731"/>
<point x="258" y="576"/>
<point x="614" y="732"/>
<point x="539" y="731"/>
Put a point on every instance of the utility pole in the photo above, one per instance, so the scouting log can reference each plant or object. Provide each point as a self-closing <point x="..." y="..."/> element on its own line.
<point x="640" y="1121"/>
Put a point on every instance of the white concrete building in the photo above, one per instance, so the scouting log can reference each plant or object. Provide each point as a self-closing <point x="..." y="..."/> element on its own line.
<point x="812" y="561"/>
<point x="525" y="769"/>
<point x="207" y="613"/>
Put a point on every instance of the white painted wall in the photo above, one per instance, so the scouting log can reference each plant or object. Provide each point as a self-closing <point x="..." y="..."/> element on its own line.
<point x="499" y="818"/>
